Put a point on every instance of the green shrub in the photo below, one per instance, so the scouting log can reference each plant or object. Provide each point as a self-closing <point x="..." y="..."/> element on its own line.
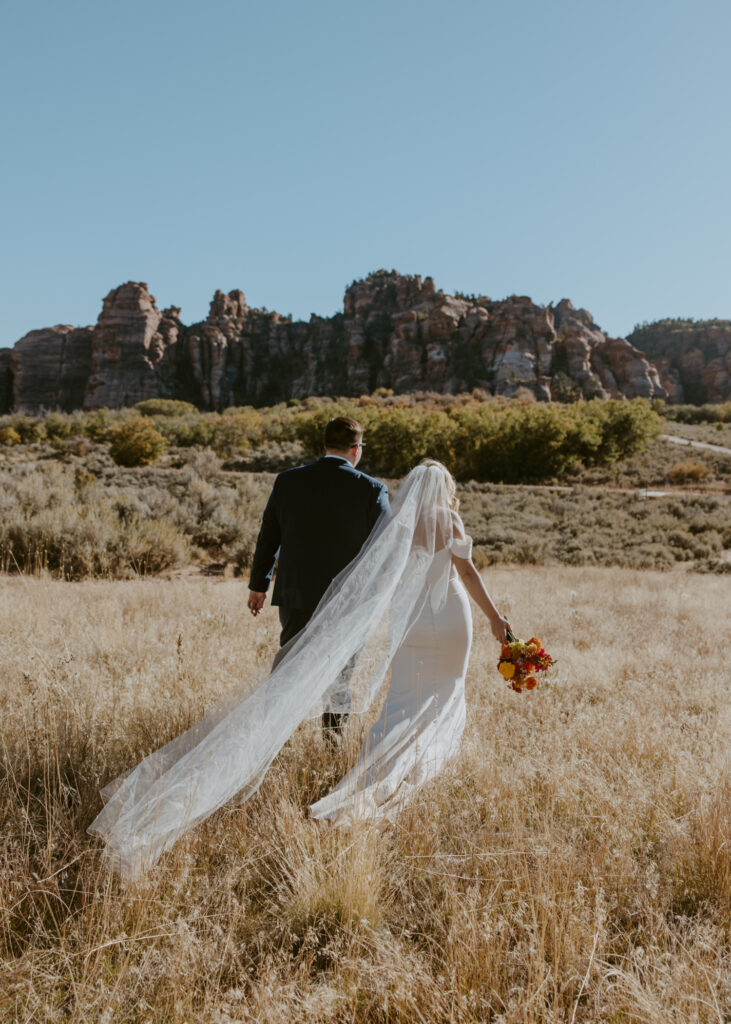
<point x="310" y="422"/>
<point x="165" y="407"/>
<point x="709" y="413"/>
<point x="189" y="431"/>
<point x="30" y="429"/>
<point x="233" y="434"/>
<point x="498" y="441"/>
<point x="136" y="443"/>
<point x="688" y="472"/>
<point x="564" y="388"/>
<point x="9" y="436"/>
<point x="626" y="427"/>
<point x="61" y="426"/>
<point x="513" y="443"/>
<point x="399" y="438"/>
<point x="98" y="424"/>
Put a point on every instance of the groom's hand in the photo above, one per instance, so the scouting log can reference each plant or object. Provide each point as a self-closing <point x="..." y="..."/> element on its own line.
<point x="256" y="601"/>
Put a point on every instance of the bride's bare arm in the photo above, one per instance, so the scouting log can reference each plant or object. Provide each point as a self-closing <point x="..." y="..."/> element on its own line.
<point x="476" y="588"/>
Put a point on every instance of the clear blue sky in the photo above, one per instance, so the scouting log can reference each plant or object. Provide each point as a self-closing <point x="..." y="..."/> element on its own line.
<point x="576" y="148"/>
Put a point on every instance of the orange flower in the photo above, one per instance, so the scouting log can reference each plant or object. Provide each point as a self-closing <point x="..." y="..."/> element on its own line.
<point x="505" y="651"/>
<point x="531" y="683"/>
<point x="536" y="641"/>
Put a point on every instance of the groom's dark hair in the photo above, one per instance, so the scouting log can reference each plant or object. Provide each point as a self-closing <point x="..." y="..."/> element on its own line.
<point x="342" y="433"/>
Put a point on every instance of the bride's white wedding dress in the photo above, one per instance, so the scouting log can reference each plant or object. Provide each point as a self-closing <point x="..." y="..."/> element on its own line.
<point x="423" y="715"/>
<point x="399" y="604"/>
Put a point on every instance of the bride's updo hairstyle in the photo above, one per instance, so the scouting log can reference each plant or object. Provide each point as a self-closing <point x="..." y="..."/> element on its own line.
<point x="448" y="480"/>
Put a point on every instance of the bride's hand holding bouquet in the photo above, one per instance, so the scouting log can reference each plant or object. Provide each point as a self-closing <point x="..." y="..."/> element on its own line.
<point x="521" y="660"/>
<point x="500" y="628"/>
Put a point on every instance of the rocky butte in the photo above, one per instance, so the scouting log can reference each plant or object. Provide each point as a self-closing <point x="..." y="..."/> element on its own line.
<point x="693" y="358"/>
<point x="395" y="331"/>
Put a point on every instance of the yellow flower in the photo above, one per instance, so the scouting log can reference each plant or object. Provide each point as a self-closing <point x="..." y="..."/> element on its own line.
<point x="506" y="669"/>
<point x="532" y="649"/>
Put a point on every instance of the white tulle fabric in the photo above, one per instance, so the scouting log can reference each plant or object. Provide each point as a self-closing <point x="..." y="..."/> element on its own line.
<point x="421" y="722"/>
<point x="365" y="614"/>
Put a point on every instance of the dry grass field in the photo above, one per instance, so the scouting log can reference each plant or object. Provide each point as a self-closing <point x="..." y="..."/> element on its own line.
<point x="572" y="865"/>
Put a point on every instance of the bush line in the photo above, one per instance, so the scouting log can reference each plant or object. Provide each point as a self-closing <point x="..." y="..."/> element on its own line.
<point x="509" y="441"/>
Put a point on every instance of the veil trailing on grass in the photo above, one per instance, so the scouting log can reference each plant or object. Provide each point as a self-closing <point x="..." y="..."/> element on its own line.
<point x="362" y="617"/>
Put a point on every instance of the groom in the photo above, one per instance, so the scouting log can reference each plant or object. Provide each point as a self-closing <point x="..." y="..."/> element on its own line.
<point x="317" y="519"/>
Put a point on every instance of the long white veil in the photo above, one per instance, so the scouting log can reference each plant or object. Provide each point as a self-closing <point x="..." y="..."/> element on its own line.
<point x="362" y="617"/>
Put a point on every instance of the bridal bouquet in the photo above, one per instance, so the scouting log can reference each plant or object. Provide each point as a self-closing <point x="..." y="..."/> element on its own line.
<point x="520" y="660"/>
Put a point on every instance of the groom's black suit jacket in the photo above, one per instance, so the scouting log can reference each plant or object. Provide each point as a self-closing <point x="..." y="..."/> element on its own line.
<point x="317" y="518"/>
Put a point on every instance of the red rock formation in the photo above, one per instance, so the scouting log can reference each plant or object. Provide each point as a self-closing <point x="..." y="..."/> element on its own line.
<point x="693" y="359"/>
<point x="208" y="345"/>
<point x="129" y="346"/>
<point x="395" y="331"/>
<point x="50" y="368"/>
<point x="603" y="367"/>
<point x="7" y="401"/>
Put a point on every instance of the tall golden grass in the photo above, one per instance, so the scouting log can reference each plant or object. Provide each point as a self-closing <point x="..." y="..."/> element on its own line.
<point x="572" y="865"/>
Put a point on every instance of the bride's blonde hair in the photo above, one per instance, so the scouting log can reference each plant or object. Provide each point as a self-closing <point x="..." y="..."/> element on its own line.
<point x="448" y="480"/>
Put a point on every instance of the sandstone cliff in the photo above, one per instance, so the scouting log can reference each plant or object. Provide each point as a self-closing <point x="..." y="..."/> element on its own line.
<point x="395" y="331"/>
<point x="50" y="368"/>
<point x="134" y="349"/>
<point x="6" y="379"/>
<point x="692" y="358"/>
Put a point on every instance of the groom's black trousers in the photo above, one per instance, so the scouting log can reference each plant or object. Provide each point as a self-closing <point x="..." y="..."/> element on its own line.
<point x="292" y="621"/>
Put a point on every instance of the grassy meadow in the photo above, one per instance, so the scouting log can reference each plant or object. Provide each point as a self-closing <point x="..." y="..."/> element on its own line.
<point x="572" y="865"/>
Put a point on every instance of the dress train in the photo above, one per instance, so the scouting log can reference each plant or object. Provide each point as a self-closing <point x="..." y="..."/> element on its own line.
<point x="422" y="720"/>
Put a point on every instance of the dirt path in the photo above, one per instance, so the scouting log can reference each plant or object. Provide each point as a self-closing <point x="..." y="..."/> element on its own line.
<point x="696" y="444"/>
<point x="643" y="492"/>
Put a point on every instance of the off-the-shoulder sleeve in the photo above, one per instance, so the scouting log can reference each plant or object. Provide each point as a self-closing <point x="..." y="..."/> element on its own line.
<point x="461" y="548"/>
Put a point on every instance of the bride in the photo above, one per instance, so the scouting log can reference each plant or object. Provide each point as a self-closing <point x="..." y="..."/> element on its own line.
<point x="401" y="603"/>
